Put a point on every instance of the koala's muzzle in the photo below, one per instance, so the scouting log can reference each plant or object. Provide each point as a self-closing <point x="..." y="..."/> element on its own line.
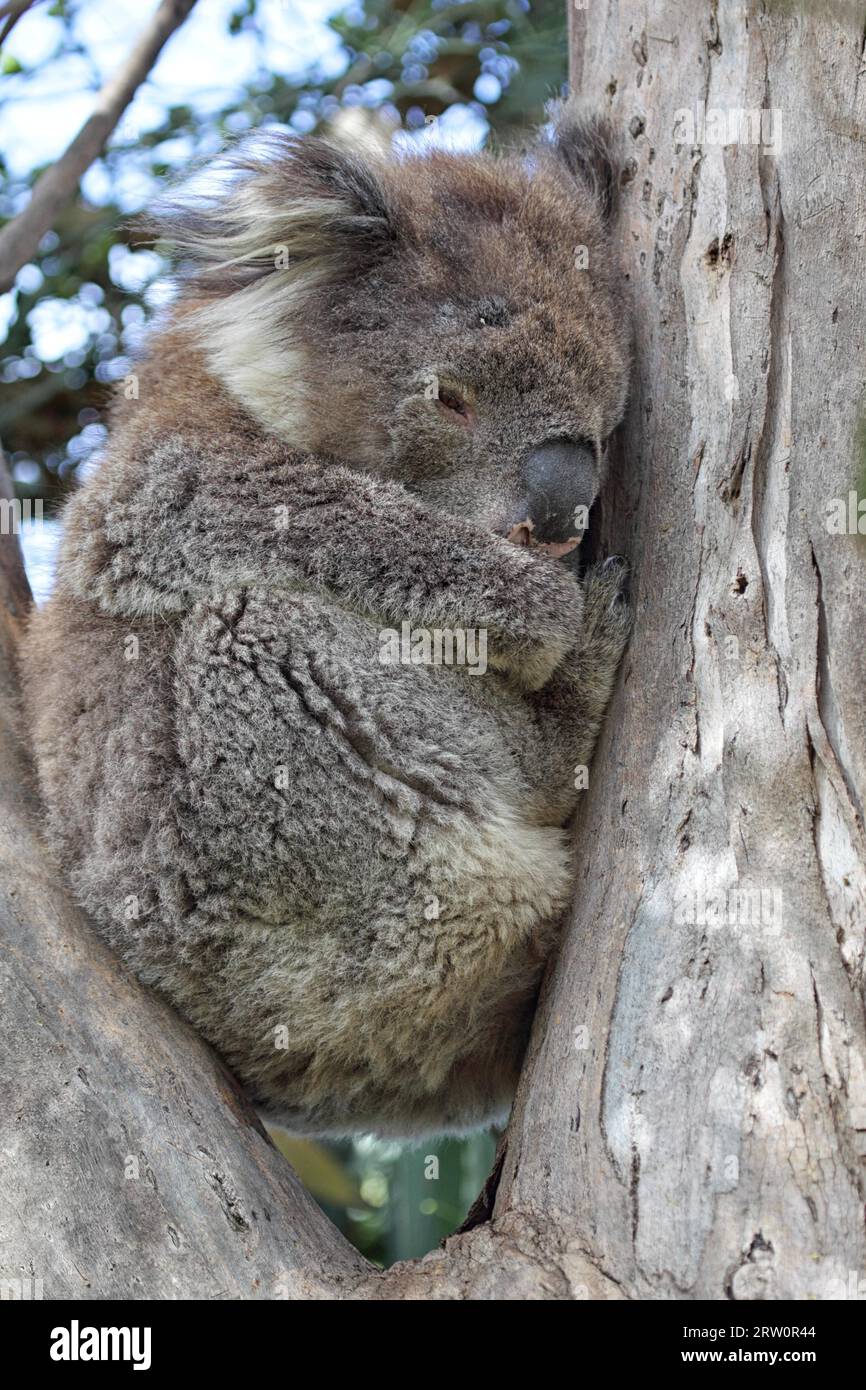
<point x="558" y="478"/>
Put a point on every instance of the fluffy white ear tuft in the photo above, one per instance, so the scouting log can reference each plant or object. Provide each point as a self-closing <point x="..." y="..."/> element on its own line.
<point x="274" y="220"/>
<point x="274" y="202"/>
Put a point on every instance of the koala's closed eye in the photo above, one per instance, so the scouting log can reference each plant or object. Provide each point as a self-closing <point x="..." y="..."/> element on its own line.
<point x="452" y="403"/>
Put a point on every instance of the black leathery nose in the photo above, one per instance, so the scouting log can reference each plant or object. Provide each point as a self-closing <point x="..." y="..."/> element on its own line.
<point x="559" y="477"/>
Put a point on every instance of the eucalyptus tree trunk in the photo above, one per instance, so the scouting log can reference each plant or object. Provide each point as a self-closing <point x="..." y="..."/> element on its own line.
<point x="694" y="1111"/>
<point x="691" y="1121"/>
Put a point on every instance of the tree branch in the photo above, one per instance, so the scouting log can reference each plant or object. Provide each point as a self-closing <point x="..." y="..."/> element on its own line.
<point x="20" y="238"/>
<point x="702" y="1133"/>
<point x="10" y="13"/>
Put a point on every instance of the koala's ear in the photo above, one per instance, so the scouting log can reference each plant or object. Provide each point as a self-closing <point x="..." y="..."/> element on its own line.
<point x="582" y="142"/>
<point x="273" y="205"/>
<point x="349" y="204"/>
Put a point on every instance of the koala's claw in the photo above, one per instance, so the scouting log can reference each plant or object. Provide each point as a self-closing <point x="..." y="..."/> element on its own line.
<point x="619" y="569"/>
<point x="607" y="611"/>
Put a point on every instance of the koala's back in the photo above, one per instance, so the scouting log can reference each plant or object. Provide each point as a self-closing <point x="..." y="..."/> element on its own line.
<point x="322" y="860"/>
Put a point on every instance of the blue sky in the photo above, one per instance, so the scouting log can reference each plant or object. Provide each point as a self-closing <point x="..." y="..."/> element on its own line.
<point x="202" y="65"/>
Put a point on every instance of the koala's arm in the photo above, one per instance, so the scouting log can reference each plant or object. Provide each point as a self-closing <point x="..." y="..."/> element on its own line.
<point x="160" y="532"/>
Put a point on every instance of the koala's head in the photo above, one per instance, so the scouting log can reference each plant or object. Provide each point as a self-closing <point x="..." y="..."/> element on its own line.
<point x="452" y="322"/>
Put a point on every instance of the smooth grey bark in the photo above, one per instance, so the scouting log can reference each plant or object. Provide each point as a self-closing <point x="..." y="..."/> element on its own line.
<point x="691" y="1121"/>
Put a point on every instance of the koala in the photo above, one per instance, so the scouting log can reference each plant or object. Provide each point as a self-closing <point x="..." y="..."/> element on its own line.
<point x="378" y="405"/>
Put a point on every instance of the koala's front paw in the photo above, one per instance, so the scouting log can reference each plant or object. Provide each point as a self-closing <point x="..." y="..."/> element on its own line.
<point x="551" y="607"/>
<point x="533" y="665"/>
<point x="607" y="615"/>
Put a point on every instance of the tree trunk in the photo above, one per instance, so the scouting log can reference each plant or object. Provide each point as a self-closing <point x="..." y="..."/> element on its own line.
<point x="691" y="1121"/>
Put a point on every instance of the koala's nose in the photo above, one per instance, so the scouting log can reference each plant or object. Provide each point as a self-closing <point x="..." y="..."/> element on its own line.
<point x="560" y="477"/>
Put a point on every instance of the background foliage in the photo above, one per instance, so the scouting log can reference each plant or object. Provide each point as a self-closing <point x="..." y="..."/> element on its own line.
<point x="457" y="73"/>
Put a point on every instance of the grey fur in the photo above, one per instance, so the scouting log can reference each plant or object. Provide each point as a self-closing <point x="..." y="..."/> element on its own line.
<point x="348" y="875"/>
